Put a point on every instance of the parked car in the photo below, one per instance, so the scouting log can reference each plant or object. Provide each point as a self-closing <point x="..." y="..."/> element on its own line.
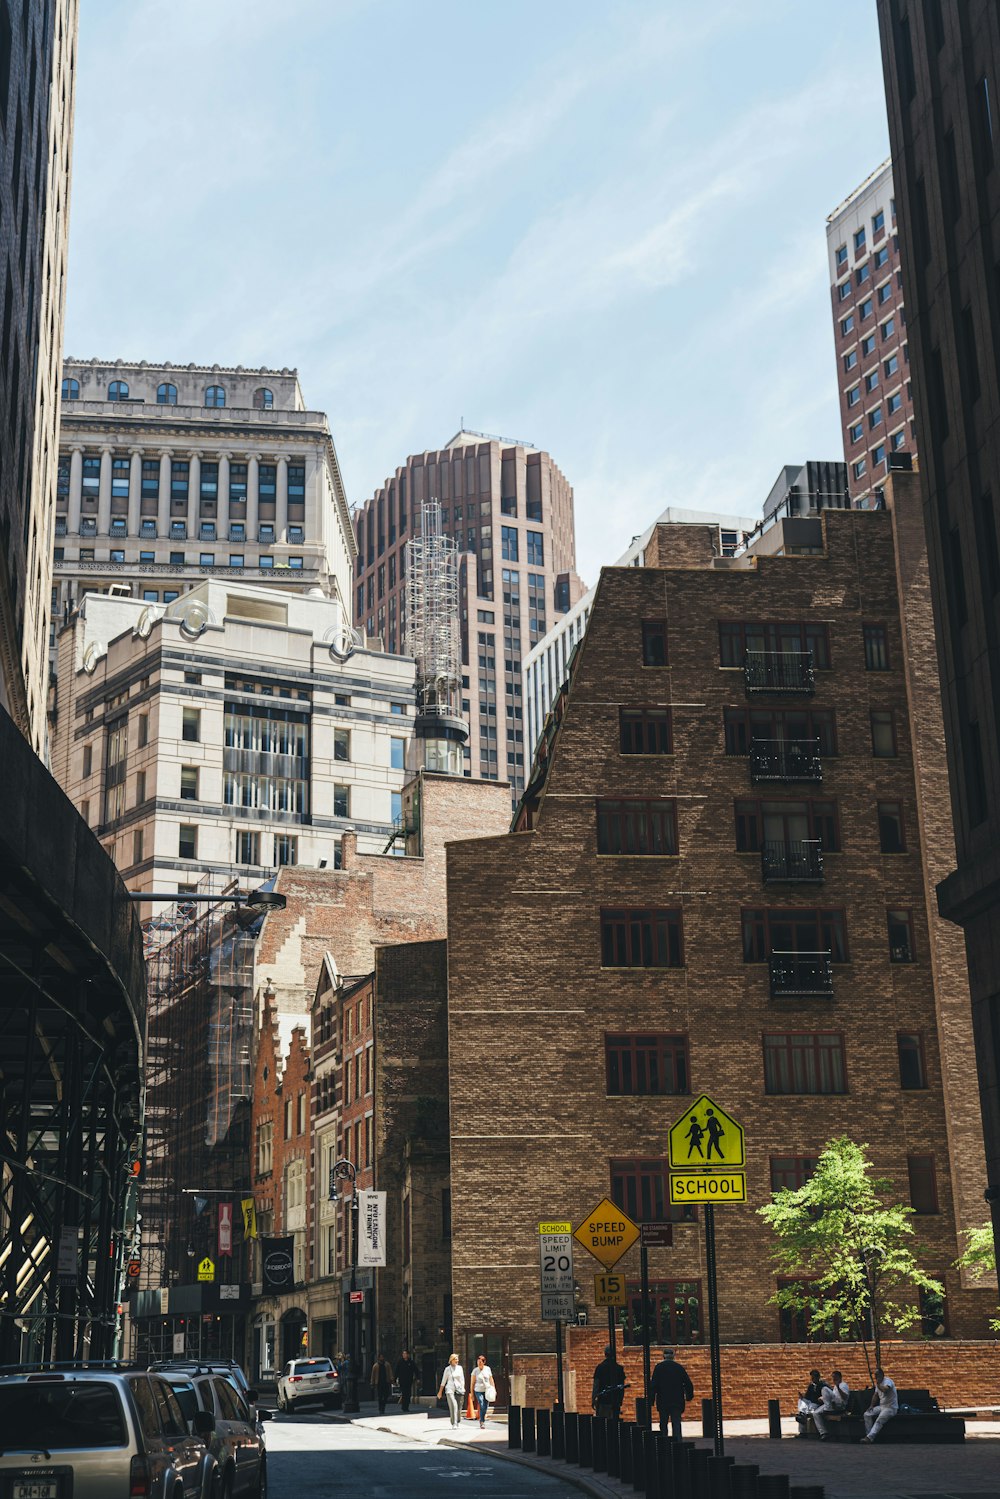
<point x="237" y="1443"/>
<point x="225" y="1366"/>
<point x="309" y="1379"/>
<point x="97" y="1433"/>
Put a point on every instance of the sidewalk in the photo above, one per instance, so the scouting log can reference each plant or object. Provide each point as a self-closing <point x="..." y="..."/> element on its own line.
<point x="846" y="1472"/>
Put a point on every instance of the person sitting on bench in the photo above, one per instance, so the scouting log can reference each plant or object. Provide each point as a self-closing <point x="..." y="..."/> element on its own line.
<point x="885" y="1399"/>
<point x="835" y="1396"/>
<point x="811" y="1401"/>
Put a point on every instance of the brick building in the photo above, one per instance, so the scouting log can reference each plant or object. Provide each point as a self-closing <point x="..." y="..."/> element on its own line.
<point x="721" y="880"/>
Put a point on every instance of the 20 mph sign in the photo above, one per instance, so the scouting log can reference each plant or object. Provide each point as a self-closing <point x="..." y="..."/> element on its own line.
<point x="555" y="1263"/>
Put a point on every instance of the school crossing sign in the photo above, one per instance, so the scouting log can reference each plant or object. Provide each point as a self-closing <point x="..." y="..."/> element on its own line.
<point x="707" y="1152"/>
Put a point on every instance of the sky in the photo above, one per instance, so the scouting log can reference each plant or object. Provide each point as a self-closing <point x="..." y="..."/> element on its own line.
<point x="597" y="226"/>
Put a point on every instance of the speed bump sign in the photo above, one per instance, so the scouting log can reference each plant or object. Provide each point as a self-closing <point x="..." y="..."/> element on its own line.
<point x="607" y="1233"/>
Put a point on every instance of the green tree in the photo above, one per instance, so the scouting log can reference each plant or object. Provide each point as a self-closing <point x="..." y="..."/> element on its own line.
<point x="845" y="1247"/>
<point x="980" y="1257"/>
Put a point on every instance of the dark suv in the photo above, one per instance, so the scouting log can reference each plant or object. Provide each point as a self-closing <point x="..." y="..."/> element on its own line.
<point x="237" y="1443"/>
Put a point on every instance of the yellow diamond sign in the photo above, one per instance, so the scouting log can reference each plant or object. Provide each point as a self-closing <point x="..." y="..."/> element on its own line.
<point x="607" y="1233"/>
<point x="705" y="1136"/>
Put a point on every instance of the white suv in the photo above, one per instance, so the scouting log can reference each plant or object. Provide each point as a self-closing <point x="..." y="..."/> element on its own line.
<point x="308" y="1379"/>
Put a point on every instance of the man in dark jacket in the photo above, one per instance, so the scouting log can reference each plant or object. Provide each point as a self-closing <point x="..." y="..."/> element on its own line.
<point x="609" y="1386"/>
<point x="670" y="1388"/>
<point x="405" y="1374"/>
<point x="810" y="1400"/>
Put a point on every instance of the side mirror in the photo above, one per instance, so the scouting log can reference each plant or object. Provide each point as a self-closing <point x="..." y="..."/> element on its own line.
<point x="204" y="1423"/>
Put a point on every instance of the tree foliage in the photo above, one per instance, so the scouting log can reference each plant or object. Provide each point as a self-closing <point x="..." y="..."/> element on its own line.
<point x="845" y="1246"/>
<point x="980" y="1258"/>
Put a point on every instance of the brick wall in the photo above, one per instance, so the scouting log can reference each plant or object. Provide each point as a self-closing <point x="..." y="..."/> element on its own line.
<point x="956" y="1372"/>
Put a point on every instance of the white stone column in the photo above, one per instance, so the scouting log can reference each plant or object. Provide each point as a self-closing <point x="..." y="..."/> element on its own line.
<point x="134" y="490"/>
<point x="281" y="504"/>
<point x="75" y="492"/>
<point x="253" y="496"/>
<point x="194" y="493"/>
<point x="104" y="495"/>
<point x="163" y="504"/>
<point x="222" y="508"/>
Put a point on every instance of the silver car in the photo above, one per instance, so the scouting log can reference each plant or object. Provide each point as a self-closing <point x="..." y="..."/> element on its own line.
<point x="237" y="1443"/>
<point x="90" y="1433"/>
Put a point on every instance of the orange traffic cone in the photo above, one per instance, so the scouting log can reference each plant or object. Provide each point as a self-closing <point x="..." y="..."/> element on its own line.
<point x="470" y="1408"/>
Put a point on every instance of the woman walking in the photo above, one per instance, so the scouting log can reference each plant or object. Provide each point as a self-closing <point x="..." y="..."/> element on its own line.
<point x="483" y="1387"/>
<point x="452" y="1386"/>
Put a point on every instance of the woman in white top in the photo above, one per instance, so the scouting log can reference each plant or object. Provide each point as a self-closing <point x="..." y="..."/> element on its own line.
<point x="453" y="1387"/>
<point x="483" y="1387"/>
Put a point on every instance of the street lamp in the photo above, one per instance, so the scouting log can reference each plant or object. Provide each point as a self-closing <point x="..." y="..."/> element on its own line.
<point x="248" y="908"/>
<point x="345" y="1170"/>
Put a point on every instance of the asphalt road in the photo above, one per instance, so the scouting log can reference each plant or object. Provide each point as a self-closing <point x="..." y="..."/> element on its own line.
<point x="310" y="1458"/>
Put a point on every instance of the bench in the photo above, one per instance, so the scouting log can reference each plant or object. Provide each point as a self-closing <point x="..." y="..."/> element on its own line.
<point x="923" y="1422"/>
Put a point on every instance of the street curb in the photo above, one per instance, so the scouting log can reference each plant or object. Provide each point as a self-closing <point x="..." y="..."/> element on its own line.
<point x="550" y="1468"/>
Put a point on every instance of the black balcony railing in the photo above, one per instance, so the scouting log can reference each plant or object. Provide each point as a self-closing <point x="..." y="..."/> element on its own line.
<point x="791" y="860"/>
<point x="785" y="760"/>
<point x="801" y="975"/>
<point x="780" y="671"/>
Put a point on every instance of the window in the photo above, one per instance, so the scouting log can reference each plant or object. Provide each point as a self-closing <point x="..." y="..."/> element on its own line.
<point x="891" y="833"/>
<point x="900" y="926"/>
<point x="641" y="938"/>
<point x="645" y="731"/>
<point x="247" y="847"/>
<point x="295" y="562"/>
<point x="793" y="638"/>
<point x="868" y="346"/>
<point x="118" y="391"/>
<point x="883" y="724"/>
<point x="286" y="851"/>
<point x="878" y="455"/>
<point x="878" y="224"/>
<point x="897" y="441"/>
<point x="876" y="648"/>
<point x="137" y="846"/>
<point x="881" y="257"/>
<point x="866" y="308"/>
<point x="844" y="291"/>
<point x="841" y="256"/>
<point x="851" y="359"/>
<point x="787" y="823"/>
<point x="801" y="930"/>
<point x="143" y="730"/>
<point x="675" y="1314"/>
<point x="187" y="841"/>
<point x="508" y="543"/>
<point x="215" y="395"/>
<point x="297" y="534"/>
<point x="790" y="1172"/>
<point x="117" y="555"/>
<point x="265" y="562"/>
<point x="894" y="403"/>
<point x="912" y="1069"/>
<point x="88" y="759"/>
<point x="654" y="642"/>
<point x="804" y="1062"/>
<point x="71" y="390"/>
<point x="862" y="273"/>
<point x="883" y="294"/>
<point x="923" y="1186"/>
<point x="191" y="724"/>
<point x="166" y="394"/>
<point x="265" y="535"/>
<point x="263" y="399"/>
<point x="645" y="1064"/>
<point x="871" y="381"/>
<point x="856" y="432"/>
<point x="237" y="531"/>
<point x="853" y="395"/>
<point x="875" y="418"/>
<point x="743" y="725"/>
<point x="397" y="753"/>
<point x="341" y="801"/>
<point x="206" y="530"/>
<point x="397" y="707"/>
<point x="236" y="559"/>
<point x="206" y="559"/>
<point x="640" y="1188"/>
<point x="636" y="827"/>
<point x="888" y="329"/>
<point x="536" y="548"/>
<point x="342" y="744"/>
<point x="178" y="532"/>
<point x="189" y="783"/>
<point x="859" y="242"/>
<point x="847" y="324"/>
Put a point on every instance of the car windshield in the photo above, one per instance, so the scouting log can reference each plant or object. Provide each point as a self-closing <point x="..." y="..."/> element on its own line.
<point x="60" y="1415"/>
<point x="312" y="1366"/>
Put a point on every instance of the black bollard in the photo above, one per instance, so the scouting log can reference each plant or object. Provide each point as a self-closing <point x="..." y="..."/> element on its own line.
<point x="625" y="1451"/>
<point x="558" y="1433"/>
<point x="707" y="1421"/>
<point x="719" y="1482"/>
<point x="571" y="1445"/>
<point x="664" y="1467"/>
<point x="773" y="1486"/>
<point x="650" y="1466"/>
<point x="585" y="1427"/>
<point x="528" y="1428"/>
<point x="514" y="1427"/>
<point x="743" y="1480"/>
<point x="638" y="1459"/>
<point x="807" y="1491"/>
<point x="611" y="1449"/>
<point x="641" y="1412"/>
<point x="599" y="1434"/>
<point x="774" y="1419"/>
<point x="699" y="1472"/>
<point x="543" y="1433"/>
<point x="680" y="1458"/>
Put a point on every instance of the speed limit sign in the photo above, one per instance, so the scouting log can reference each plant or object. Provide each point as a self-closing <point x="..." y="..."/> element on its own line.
<point x="609" y="1289"/>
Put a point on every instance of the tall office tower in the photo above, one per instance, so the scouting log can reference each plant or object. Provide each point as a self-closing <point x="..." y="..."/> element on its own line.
<point x="171" y="473"/>
<point x="72" y="986"/>
<point x="869" y="331"/>
<point x="942" y="77"/>
<point x="510" y="512"/>
<point x="37" y="47"/>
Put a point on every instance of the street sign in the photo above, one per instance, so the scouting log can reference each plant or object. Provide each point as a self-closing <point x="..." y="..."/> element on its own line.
<point x="558" y="1306"/>
<point x="206" y="1270"/>
<point x="229" y="1293"/>
<point x="656" y="1235"/>
<point x="710" y="1186"/>
<point x="609" y="1289"/>
<point x="356" y="1298"/>
<point x="607" y="1233"/>
<point x="555" y="1261"/>
<point x="705" y="1135"/>
<point x="133" y="1269"/>
<point x="178" y="1342"/>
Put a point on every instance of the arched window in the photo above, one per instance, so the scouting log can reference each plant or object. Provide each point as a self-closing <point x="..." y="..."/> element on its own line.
<point x="118" y="391"/>
<point x="71" y="390"/>
<point x="263" y="399"/>
<point x="166" y="395"/>
<point x="215" y="396"/>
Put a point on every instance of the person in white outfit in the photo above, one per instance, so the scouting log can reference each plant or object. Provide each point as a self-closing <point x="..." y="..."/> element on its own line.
<point x="834" y="1398"/>
<point x="885" y="1405"/>
<point x="483" y="1387"/>
<point x="453" y="1388"/>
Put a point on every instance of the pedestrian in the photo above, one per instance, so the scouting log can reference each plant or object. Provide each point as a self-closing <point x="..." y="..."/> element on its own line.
<point x="833" y="1402"/>
<point x="452" y="1386"/>
<point x="483" y="1388"/>
<point x="405" y="1374"/>
<point x="609" y="1386"/>
<point x="381" y="1382"/>
<point x="810" y="1401"/>
<point x="670" y="1388"/>
<point x="885" y="1400"/>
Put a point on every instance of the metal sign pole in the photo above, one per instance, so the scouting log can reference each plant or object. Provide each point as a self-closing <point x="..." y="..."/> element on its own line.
<point x="561" y="1394"/>
<point x="644" y="1290"/>
<point x="713" y="1330"/>
<point x="611" y="1332"/>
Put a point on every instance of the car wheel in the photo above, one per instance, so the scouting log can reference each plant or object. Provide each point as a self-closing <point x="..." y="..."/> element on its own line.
<point x="281" y="1401"/>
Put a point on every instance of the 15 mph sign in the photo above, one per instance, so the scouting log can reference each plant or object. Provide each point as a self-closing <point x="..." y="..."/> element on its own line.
<point x="555" y="1263"/>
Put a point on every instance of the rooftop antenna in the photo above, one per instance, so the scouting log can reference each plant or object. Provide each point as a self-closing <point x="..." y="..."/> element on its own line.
<point x="433" y="640"/>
